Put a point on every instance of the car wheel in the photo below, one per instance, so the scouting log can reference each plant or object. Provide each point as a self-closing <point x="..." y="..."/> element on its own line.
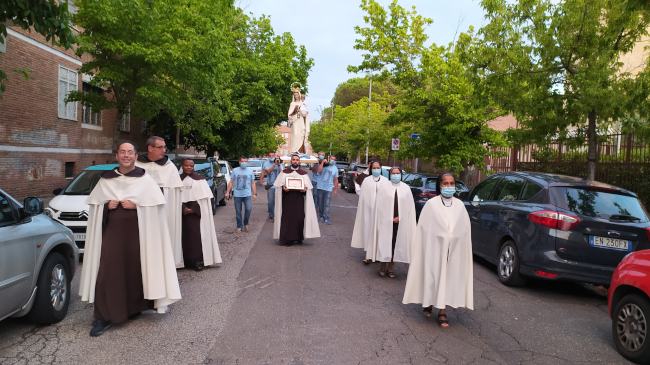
<point x="630" y="328"/>
<point x="350" y="188"/>
<point x="508" y="265"/>
<point x="53" y="293"/>
<point x="213" y="203"/>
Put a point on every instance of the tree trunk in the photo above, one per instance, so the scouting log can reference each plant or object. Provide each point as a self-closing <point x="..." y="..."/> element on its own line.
<point x="592" y="151"/>
<point x="464" y="175"/>
<point x="116" y="131"/>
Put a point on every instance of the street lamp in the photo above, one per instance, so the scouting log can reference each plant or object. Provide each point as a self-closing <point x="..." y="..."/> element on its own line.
<point x="368" y="129"/>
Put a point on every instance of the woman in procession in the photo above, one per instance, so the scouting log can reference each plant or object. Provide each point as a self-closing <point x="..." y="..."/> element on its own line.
<point x="365" y="225"/>
<point x="440" y="273"/>
<point x="396" y="225"/>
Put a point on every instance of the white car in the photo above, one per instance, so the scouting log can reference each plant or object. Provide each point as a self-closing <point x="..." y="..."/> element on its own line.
<point x="226" y="169"/>
<point x="256" y="166"/>
<point x="69" y="206"/>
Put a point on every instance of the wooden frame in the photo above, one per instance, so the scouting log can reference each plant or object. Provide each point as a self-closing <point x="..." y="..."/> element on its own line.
<point x="294" y="183"/>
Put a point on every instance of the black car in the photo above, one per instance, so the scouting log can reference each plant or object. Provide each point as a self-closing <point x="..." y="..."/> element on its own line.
<point x="554" y="227"/>
<point x="216" y="180"/>
<point x="349" y="174"/>
<point x="423" y="187"/>
<point x="341" y="166"/>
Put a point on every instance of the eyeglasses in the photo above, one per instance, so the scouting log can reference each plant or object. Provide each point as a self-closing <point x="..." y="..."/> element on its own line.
<point x="162" y="148"/>
<point x="125" y="153"/>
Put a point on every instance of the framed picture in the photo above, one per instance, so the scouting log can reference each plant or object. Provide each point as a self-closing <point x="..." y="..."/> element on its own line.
<point x="294" y="183"/>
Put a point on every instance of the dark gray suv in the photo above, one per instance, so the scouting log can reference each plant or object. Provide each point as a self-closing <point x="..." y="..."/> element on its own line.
<point x="38" y="258"/>
<point x="554" y="227"/>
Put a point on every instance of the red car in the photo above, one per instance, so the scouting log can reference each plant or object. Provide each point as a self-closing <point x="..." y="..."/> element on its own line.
<point x="628" y="301"/>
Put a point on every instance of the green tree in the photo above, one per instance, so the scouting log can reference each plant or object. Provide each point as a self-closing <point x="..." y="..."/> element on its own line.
<point x="557" y="66"/>
<point x="170" y="56"/>
<point x="266" y="139"/>
<point x="442" y="97"/>
<point x="47" y="17"/>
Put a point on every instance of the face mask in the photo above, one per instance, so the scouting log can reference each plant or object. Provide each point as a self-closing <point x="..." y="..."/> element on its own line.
<point x="272" y="159"/>
<point x="243" y="165"/>
<point x="395" y="178"/>
<point x="320" y="157"/>
<point x="332" y="163"/>
<point x="376" y="172"/>
<point x="448" y="192"/>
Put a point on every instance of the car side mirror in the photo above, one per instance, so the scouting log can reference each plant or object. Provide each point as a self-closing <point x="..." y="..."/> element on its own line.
<point x="463" y="195"/>
<point x="33" y="206"/>
<point x="219" y="175"/>
<point x="57" y="191"/>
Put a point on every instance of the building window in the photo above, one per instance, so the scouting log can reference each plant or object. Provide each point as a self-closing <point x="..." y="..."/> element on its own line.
<point x="67" y="83"/>
<point x="88" y="116"/>
<point x="69" y="170"/>
<point x="125" y="124"/>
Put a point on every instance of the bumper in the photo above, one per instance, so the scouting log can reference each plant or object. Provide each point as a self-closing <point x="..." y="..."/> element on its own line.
<point x="568" y="270"/>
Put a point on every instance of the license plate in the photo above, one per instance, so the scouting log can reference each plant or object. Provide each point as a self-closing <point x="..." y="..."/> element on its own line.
<point x="611" y="243"/>
<point x="79" y="236"/>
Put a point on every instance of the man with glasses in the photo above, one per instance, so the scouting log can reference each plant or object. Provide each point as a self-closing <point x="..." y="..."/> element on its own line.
<point x="165" y="173"/>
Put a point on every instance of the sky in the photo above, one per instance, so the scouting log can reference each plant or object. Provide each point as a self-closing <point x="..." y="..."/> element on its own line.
<point x="326" y="29"/>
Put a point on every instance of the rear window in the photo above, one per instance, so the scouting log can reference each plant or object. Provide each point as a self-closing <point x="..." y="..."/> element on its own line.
<point x="84" y="183"/>
<point x="203" y="169"/>
<point x="599" y="204"/>
<point x="254" y="163"/>
<point x="431" y="184"/>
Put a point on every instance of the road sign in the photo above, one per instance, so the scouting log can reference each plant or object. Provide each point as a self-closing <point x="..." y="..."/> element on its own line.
<point x="395" y="145"/>
<point x="415" y="135"/>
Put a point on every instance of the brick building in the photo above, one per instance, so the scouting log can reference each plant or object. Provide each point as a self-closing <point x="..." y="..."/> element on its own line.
<point x="44" y="141"/>
<point x="285" y="132"/>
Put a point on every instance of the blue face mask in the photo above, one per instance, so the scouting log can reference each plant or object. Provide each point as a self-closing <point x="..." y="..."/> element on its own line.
<point x="243" y="165"/>
<point x="320" y="157"/>
<point x="395" y="178"/>
<point x="448" y="192"/>
<point x="332" y="163"/>
<point x="376" y="172"/>
<point x="271" y="159"/>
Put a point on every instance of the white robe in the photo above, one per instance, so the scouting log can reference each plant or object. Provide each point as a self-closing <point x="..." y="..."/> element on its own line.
<point x="441" y="272"/>
<point x="199" y="191"/>
<point x="167" y="177"/>
<point x="159" y="280"/>
<point x="299" y="128"/>
<point x="310" y="229"/>
<point x="407" y="224"/>
<point x="365" y="224"/>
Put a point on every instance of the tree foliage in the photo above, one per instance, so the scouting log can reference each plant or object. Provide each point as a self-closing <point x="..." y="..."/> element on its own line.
<point x="558" y="66"/>
<point x="443" y="98"/>
<point x="46" y="17"/>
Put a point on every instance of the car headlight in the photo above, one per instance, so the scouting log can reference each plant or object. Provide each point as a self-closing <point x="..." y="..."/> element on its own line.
<point x="50" y="212"/>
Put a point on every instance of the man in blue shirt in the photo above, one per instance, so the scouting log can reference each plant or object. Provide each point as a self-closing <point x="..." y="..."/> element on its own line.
<point x="271" y="168"/>
<point x="315" y="175"/>
<point x="243" y="180"/>
<point x="328" y="181"/>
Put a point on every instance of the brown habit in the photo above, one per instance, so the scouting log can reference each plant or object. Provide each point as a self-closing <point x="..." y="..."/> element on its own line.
<point x="192" y="247"/>
<point x="119" y="292"/>
<point x="293" y="213"/>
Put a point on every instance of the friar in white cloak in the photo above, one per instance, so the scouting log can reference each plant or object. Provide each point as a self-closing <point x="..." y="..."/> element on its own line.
<point x="128" y="264"/>
<point x="441" y="271"/>
<point x="365" y="224"/>
<point x="295" y="214"/>
<point x="396" y="223"/>
<point x="200" y="246"/>
<point x="165" y="173"/>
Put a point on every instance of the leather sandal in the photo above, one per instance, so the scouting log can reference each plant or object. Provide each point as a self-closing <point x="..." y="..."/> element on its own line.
<point x="444" y="323"/>
<point x="427" y="311"/>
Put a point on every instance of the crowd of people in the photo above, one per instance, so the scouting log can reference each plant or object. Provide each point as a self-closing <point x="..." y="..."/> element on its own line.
<point x="146" y="220"/>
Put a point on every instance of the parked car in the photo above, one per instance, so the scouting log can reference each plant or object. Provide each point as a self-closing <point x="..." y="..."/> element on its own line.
<point x="554" y="227"/>
<point x="38" y="258"/>
<point x="341" y="166"/>
<point x="69" y="206"/>
<point x="256" y="166"/>
<point x="211" y="171"/>
<point x="226" y="169"/>
<point x="423" y="187"/>
<point x="349" y="174"/>
<point x="628" y="302"/>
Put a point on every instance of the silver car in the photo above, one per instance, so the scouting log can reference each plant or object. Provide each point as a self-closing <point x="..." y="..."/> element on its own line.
<point x="256" y="166"/>
<point x="38" y="258"/>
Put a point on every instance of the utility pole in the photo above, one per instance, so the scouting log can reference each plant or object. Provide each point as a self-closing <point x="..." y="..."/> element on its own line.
<point x="331" y="119"/>
<point x="368" y="129"/>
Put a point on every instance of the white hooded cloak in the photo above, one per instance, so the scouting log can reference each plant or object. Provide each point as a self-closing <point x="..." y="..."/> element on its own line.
<point x="365" y="224"/>
<point x="441" y="272"/>
<point x="407" y="223"/>
<point x="159" y="280"/>
<point x="167" y="178"/>
<point x="199" y="191"/>
<point x="310" y="229"/>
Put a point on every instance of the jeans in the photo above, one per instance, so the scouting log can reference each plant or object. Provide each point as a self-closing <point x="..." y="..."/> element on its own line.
<point x="270" y="195"/>
<point x="315" y="192"/>
<point x="324" y="198"/>
<point x="248" y="205"/>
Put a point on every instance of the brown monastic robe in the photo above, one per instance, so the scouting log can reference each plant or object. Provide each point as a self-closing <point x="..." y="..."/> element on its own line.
<point x="293" y="212"/>
<point x="119" y="292"/>
<point x="192" y="246"/>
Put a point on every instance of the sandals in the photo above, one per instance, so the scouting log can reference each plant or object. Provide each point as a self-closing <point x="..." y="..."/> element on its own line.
<point x="427" y="311"/>
<point x="382" y="273"/>
<point x="391" y="275"/>
<point x="366" y="262"/>
<point x="444" y="323"/>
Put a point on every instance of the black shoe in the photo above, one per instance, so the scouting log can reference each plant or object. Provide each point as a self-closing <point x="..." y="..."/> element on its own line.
<point x="198" y="267"/>
<point x="135" y="316"/>
<point x="299" y="242"/>
<point x="288" y="244"/>
<point x="99" y="327"/>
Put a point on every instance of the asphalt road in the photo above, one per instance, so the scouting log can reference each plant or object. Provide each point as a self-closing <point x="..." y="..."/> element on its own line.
<point x="317" y="304"/>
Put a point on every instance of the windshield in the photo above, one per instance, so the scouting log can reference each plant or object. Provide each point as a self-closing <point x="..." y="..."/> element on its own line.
<point x="224" y="169"/>
<point x="84" y="183"/>
<point x="203" y="169"/>
<point x="254" y="163"/>
<point x="599" y="204"/>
